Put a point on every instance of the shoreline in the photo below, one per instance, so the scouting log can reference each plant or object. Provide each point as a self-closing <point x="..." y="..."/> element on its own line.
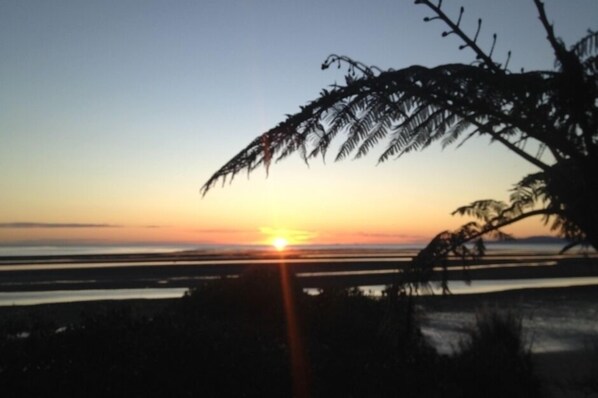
<point x="470" y="303"/>
<point x="315" y="268"/>
<point x="557" y="370"/>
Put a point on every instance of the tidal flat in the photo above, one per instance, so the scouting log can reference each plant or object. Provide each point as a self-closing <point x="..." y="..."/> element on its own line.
<point x="559" y="326"/>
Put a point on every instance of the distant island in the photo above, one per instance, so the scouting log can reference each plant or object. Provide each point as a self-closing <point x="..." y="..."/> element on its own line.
<point x="537" y="240"/>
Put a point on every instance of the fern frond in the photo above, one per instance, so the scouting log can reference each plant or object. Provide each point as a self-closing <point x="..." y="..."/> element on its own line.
<point x="586" y="46"/>
<point x="379" y="132"/>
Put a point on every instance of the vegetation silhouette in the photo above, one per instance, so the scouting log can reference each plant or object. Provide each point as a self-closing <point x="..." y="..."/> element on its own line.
<point x="227" y="337"/>
<point x="494" y="357"/>
<point x="555" y="110"/>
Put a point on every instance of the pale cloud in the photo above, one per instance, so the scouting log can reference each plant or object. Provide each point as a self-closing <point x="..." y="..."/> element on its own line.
<point x="386" y="235"/>
<point x="374" y="237"/>
<point x="292" y="235"/>
<point x="19" y="225"/>
<point x="221" y="231"/>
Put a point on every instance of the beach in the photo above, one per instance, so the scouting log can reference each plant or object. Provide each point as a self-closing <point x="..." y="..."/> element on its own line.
<point x="315" y="268"/>
<point x="559" y="322"/>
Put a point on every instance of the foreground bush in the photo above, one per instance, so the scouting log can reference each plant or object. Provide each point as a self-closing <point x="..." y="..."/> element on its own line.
<point x="229" y="338"/>
<point x="495" y="361"/>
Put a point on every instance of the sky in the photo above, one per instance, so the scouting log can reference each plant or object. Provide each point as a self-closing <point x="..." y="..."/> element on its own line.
<point x="114" y="113"/>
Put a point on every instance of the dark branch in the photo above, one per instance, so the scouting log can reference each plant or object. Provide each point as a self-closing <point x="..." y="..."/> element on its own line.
<point x="471" y="43"/>
<point x="559" y="49"/>
<point x="447" y="243"/>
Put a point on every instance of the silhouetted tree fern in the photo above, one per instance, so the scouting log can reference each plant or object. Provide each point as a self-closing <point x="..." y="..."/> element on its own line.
<point x="414" y="107"/>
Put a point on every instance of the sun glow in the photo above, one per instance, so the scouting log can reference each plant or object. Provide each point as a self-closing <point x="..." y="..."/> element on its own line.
<point x="280" y="243"/>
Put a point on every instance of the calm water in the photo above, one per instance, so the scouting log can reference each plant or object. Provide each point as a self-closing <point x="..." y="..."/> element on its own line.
<point x="51" y="250"/>
<point x="456" y="287"/>
<point x="556" y="327"/>
<point x="565" y="326"/>
<point x="67" y="296"/>
<point x="495" y="285"/>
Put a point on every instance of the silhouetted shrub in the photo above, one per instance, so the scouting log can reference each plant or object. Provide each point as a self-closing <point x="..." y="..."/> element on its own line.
<point x="361" y="347"/>
<point x="256" y="295"/>
<point x="495" y="361"/>
<point x="228" y="337"/>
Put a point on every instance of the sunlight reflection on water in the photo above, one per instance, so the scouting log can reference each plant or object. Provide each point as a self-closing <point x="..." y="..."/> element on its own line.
<point x="67" y="296"/>
<point x="561" y="327"/>
<point x="456" y="287"/>
<point x="546" y="329"/>
<point x="489" y="286"/>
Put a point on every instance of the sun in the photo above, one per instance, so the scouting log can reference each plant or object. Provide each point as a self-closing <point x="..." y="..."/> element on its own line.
<point x="280" y="243"/>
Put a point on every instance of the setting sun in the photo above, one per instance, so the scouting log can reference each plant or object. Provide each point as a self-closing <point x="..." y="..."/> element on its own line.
<point x="280" y="243"/>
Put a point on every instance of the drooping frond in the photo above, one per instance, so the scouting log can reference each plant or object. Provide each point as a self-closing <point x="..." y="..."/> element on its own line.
<point x="531" y="196"/>
<point x="587" y="46"/>
<point x="586" y="50"/>
<point x="467" y="242"/>
<point x="436" y="255"/>
<point x="410" y="109"/>
<point x="537" y="194"/>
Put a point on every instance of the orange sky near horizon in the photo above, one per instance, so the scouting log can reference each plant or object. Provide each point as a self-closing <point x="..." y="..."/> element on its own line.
<point x="113" y="114"/>
<point x="260" y="209"/>
<point x="190" y="235"/>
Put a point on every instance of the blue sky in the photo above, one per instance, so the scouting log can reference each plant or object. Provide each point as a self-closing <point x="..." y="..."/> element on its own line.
<point x="116" y="112"/>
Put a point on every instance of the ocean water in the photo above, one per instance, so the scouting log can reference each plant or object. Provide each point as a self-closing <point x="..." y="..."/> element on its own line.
<point x="69" y="296"/>
<point x="456" y="287"/>
<point x="67" y="249"/>
<point x="561" y="327"/>
<point x="556" y="328"/>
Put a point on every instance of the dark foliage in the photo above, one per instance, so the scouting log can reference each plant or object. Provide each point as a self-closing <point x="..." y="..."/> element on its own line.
<point x="587" y="383"/>
<point x="228" y="338"/>
<point x="361" y="347"/>
<point x="555" y="111"/>
<point x="494" y="361"/>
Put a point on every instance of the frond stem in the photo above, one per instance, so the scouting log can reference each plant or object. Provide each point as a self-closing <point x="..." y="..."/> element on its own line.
<point x="487" y="60"/>
<point x="488" y="228"/>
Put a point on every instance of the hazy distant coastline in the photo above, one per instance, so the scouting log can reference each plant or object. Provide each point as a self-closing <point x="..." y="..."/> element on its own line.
<point x="317" y="267"/>
<point x="76" y="247"/>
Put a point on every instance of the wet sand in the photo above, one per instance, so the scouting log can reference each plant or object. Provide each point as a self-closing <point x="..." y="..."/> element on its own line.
<point x="316" y="269"/>
<point x="560" y="371"/>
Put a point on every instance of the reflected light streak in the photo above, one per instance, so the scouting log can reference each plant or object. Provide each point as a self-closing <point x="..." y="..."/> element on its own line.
<point x="299" y="372"/>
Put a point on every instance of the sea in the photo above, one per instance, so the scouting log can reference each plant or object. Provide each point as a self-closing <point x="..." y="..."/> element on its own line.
<point x="558" y="327"/>
<point x="53" y="250"/>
